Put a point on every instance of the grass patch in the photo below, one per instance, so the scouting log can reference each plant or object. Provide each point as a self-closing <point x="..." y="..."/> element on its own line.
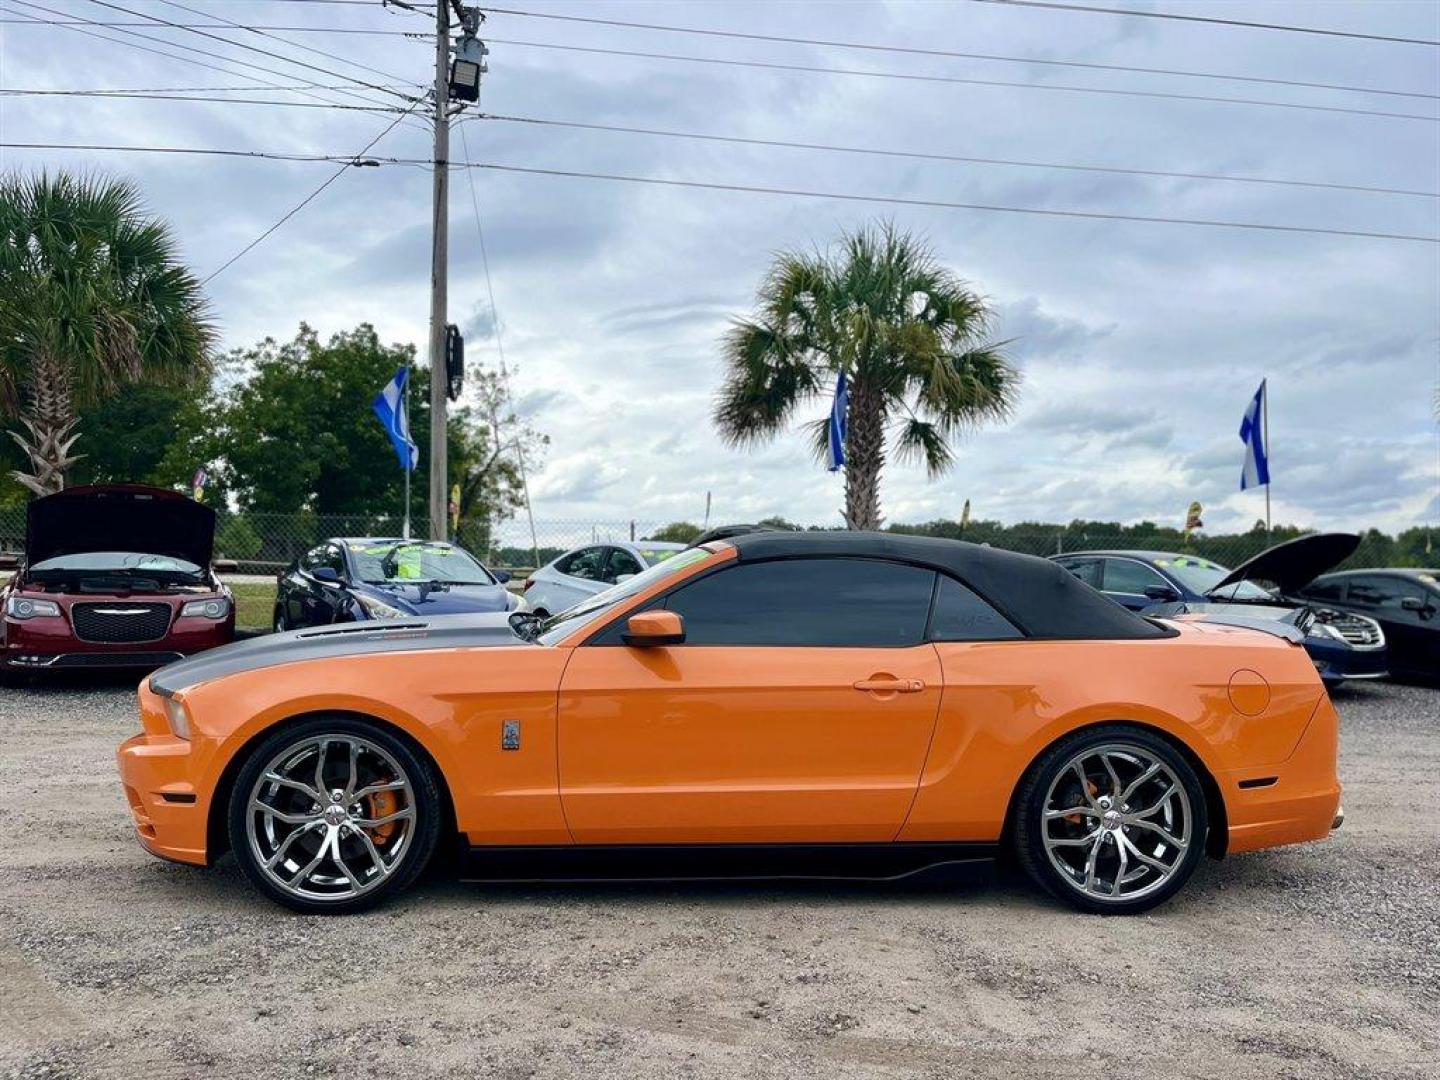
<point x="254" y="605"/>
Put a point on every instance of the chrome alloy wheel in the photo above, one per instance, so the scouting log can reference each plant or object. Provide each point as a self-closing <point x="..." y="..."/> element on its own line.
<point x="330" y="817"/>
<point x="1117" y="822"/>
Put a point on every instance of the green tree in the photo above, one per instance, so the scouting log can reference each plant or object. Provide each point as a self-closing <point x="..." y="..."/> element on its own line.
<point x="92" y="297"/>
<point x="297" y="432"/>
<point x="910" y="336"/>
<point x="677" y="532"/>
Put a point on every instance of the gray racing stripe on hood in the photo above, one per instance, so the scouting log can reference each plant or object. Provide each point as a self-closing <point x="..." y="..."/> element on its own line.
<point x="352" y="639"/>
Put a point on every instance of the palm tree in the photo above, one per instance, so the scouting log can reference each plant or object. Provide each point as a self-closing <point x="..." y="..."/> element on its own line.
<point x="907" y="333"/>
<point x="92" y="295"/>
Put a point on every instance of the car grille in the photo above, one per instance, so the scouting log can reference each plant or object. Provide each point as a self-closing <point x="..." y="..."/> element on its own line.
<point x="120" y="621"/>
<point x="116" y="659"/>
<point x="1358" y="630"/>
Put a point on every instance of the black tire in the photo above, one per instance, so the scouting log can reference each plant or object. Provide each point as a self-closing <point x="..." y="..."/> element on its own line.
<point x="422" y="840"/>
<point x="1029" y="838"/>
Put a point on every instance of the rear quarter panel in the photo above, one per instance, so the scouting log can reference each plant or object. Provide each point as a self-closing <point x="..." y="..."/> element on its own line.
<point x="1005" y="702"/>
<point x="450" y="701"/>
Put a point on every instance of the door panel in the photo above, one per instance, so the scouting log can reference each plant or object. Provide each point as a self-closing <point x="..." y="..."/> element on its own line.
<point x="742" y="744"/>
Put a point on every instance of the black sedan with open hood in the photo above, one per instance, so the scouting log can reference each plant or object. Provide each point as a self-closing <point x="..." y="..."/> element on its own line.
<point x="116" y="575"/>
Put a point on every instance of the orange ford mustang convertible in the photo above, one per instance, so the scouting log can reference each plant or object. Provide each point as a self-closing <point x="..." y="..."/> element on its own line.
<point x="778" y="704"/>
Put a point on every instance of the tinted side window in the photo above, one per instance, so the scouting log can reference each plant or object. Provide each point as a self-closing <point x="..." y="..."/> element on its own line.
<point x="621" y="562"/>
<point x="1087" y="570"/>
<point x="1333" y="589"/>
<point x="834" y="602"/>
<point x="315" y="557"/>
<point x="960" y="615"/>
<point x="588" y="564"/>
<point x="1124" y="576"/>
<point x="1369" y="591"/>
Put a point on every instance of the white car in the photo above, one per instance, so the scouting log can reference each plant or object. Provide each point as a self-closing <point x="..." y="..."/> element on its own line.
<point x="584" y="571"/>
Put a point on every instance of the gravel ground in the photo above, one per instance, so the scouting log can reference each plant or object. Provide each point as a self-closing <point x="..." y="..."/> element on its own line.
<point x="1316" y="961"/>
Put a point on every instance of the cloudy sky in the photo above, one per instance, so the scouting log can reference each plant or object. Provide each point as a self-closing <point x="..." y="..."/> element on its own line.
<point x="1140" y="343"/>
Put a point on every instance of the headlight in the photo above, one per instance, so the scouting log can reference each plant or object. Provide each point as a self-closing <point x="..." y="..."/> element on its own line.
<point x="177" y="716"/>
<point x="378" y="609"/>
<point x="217" y="608"/>
<point x="22" y="607"/>
<point x="1318" y="629"/>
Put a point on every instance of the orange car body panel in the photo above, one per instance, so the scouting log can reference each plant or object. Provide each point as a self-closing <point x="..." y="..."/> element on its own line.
<point x="689" y="744"/>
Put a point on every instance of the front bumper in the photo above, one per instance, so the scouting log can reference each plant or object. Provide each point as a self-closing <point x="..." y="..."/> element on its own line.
<point x="1336" y="662"/>
<point x="158" y="771"/>
<point x="47" y="643"/>
<point x="1289" y="803"/>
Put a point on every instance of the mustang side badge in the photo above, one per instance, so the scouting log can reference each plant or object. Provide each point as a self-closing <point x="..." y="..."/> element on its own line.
<point x="510" y="735"/>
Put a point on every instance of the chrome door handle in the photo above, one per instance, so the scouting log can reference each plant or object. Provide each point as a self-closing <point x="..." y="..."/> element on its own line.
<point x="891" y="686"/>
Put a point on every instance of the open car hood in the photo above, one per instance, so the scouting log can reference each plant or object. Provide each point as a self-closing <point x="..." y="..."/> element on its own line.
<point x="119" y="517"/>
<point x="1294" y="564"/>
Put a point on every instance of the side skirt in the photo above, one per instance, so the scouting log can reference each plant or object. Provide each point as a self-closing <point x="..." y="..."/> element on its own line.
<point x="722" y="862"/>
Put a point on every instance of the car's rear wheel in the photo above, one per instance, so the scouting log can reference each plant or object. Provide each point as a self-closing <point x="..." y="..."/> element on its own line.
<point x="1111" y="820"/>
<point x="334" y="815"/>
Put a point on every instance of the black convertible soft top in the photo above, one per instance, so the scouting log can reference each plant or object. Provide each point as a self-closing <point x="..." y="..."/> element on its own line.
<point x="1042" y="598"/>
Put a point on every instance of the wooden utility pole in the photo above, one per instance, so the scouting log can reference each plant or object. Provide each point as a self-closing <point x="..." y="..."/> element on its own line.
<point x="439" y="278"/>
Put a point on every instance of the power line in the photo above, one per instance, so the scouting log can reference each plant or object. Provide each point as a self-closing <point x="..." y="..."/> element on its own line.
<point x="116" y="23"/>
<point x="892" y="200"/>
<point x="1208" y="19"/>
<point x="198" y="51"/>
<point x="276" y="37"/>
<point x="305" y="201"/>
<point x="911" y="77"/>
<point x="102" y="91"/>
<point x="915" y="51"/>
<point x="199" y="98"/>
<point x="348" y="91"/>
<point x="925" y="156"/>
<point x="242" y="45"/>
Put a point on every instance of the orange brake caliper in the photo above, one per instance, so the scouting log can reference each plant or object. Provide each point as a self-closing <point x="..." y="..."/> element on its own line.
<point x="383" y="804"/>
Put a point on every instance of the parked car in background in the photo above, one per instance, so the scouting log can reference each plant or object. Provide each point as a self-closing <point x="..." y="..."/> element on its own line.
<point x="1166" y="584"/>
<point x="115" y="575"/>
<point x="352" y="579"/>
<point x="1405" y="604"/>
<point x="584" y="571"/>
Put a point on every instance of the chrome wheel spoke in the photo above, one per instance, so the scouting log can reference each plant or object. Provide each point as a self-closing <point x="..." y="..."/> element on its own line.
<point x="310" y="837"/>
<point x="1088" y="844"/>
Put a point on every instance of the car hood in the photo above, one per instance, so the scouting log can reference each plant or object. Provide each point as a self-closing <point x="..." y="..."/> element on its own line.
<point x="119" y="517"/>
<point x="1246" y="611"/>
<point x="1294" y="564"/>
<point x="346" y="639"/>
<point x="455" y="600"/>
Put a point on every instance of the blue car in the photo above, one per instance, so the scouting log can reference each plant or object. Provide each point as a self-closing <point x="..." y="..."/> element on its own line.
<point x="1162" y="584"/>
<point x="351" y="579"/>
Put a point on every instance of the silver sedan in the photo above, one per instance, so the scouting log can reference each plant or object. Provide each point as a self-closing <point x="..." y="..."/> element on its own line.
<point x="584" y="571"/>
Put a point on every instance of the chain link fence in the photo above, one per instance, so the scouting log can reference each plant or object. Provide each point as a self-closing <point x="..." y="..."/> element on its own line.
<point x="263" y="543"/>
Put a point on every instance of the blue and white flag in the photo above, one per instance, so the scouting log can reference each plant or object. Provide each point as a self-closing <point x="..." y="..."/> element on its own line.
<point x="839" y="409"/>
<point x="390" y="408"/>
<point x="1252" y="433"/>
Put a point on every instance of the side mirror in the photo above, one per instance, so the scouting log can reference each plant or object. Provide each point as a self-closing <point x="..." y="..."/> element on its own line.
<point x="326" y="575"/>
<point x="652" y="628"/>
<point x="1163" y="593"/>
<point x="223" y="566"/>
<point x="502" y="576"/>
<point x="1407" y="603"/>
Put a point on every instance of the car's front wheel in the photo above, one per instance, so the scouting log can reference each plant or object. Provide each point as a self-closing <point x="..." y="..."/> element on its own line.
<point x="1111" y="820"/>
<point x="333" y="815"/>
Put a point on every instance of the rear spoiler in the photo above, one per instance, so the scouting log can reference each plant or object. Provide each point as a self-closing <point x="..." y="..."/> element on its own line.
<point x="1248" y="622"/>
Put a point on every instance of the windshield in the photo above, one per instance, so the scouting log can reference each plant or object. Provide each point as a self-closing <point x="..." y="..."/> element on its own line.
<point x="1202" y="575"/>
<point x="128" y="563"/>
<point x="586" y="612"/>
<point x="401" y="562"/>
